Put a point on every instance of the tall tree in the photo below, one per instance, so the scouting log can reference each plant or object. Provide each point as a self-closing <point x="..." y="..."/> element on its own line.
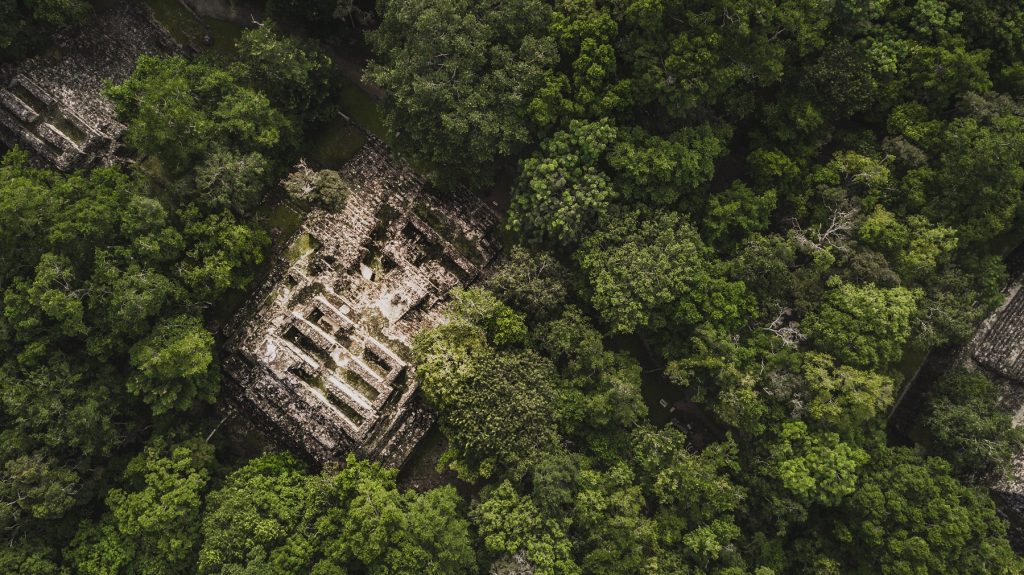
<point x="458" y="76"/>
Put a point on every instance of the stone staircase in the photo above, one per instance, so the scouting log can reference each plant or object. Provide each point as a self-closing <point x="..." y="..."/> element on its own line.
<point x="30" y="117"/>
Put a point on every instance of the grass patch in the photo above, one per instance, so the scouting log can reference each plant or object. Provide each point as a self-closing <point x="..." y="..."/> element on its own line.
<point x="362" y="108"/>
<point x="357" y="383"/>
<point x="303" y="245"/>
<point x="190" y="31"/>
<point x="333" y="145"/>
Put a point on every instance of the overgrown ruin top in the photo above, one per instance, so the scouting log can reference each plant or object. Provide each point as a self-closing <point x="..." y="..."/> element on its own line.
<point x="321" y="354"/>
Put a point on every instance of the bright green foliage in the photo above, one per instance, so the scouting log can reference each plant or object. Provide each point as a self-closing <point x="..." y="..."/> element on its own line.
<point x="562" y="191"/>
<point x="480" y="307"/>
<point x="179" y="112"/>
<point x="865" y="326"/>
<point x="967" y="170"/>
<point x="294" y="75"/>
<point x="32" y="559"/>
<point x="608" y="384"/>
<point x="857" y="164"/>
<point x="221" y="253"/>
<point x="89" y="265"/>
<point x="693" y="496"/>
<point x="458" y="76"/>
<point x="498" y="406"/>
<point x="152" y="525"/>
<point x="34" y="487"/>
<point x="272" y="517"/>
<point x="323" y="187"/>
<point x="817" y="468"/>
<point x="615" y="535"/>
<point x="255" y="519"/>
<point x="125" y="299"/>
<point x="841" y="398"/>
<point x="372" y="524"/>
<point x="916" y="247"/>
<point x="510" y="523"/>
<point x="908" y="515"/>
<point x="737" y="212"/>
<point x="695" y="486"/>
<point x="584" y="33"/>
<point x="651" y="270"/>
<point x="660" y="170"/>
<point x="228" y="179"/>
<point x="174" y="365"/>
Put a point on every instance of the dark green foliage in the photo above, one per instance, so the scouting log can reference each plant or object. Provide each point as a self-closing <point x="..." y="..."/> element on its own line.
<point x="564" y="190"/>
<point x="765" y="203"/>
<point x="969" y="429"/>
<point x="533" y="282"/>
<point x="26" y="25"/>
<point x="152" y="525"/>
<point x="272" y="516"/>
<point x="864" y="326"/>
<point x="459" y="75"/>
<point x="502" y="405"/>
<point x="293" y="74"/>
<point x="511" y="524"/>
<point x="952" y="529"/>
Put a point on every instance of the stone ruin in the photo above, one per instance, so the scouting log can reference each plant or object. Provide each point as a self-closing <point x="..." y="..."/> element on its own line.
<point x="998" y="349"/>
<point x="999" y="345"/>
<point x="53" y="104"/>
<point x="321" y="354"/>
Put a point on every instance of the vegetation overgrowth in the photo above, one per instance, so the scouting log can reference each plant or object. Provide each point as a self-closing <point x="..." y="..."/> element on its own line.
<point x="777" y="201"/>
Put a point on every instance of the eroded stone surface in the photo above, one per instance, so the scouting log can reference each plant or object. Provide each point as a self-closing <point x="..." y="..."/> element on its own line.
<point x="53" y="104"/>
<point x="322" y="352"/>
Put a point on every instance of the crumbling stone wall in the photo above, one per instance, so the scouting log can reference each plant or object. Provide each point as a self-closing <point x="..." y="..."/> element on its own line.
<point x="53" y="104"/>
<point x="321" y="353"/>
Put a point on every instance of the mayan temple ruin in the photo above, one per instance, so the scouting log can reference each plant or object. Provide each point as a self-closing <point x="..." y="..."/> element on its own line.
<point x="53" y="105"/>
<point x="321" y="354"/>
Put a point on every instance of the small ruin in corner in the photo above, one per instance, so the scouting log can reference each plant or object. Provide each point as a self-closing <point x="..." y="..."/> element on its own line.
<point x="54" y="104"/>
<point x="321" y="354"/>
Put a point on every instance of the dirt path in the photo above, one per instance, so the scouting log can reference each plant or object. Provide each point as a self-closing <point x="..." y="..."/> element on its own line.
<point x="352" y="70"/>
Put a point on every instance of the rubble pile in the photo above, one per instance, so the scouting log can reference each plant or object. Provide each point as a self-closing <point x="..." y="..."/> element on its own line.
<point x="322" y="351"/>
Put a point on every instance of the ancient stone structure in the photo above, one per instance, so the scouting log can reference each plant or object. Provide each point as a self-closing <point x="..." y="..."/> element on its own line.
<point x="998" y="348"/>
<point x="1000" y="344"/>
<point x="321" y="354"/>
<point x="53" y="104"/>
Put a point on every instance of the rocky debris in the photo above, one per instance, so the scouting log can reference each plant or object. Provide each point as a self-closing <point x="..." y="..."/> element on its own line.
<point x="54" y="104"/>
<point x="321" y="352"/>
